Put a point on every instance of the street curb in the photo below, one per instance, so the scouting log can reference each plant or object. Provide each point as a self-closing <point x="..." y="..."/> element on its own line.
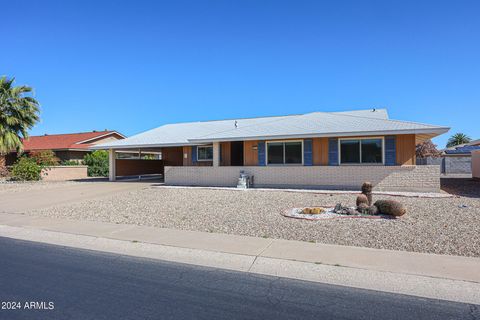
<point x="409" y="284"/>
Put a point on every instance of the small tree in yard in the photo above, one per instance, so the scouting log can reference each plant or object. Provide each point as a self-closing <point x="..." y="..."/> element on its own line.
<point x="44" y="158"/>
<point x="26" y="169"/>
<point x="97" y="163"/>
<point x="427" y="149"/>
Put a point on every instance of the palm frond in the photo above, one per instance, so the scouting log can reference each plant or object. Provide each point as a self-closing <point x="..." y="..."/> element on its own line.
<point x="18" y="113"/>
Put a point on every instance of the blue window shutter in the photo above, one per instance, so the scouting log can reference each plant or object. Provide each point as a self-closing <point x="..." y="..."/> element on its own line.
<point x="390" y="151"/>
<point x="333" y="152"/>
<point x="307" y="152"/>
<point x="261" y="153"/>
<point x="220" y="145"/>
<point x="194" y="154"/>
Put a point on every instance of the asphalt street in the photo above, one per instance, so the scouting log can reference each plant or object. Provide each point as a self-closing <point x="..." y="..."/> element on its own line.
<point x="40" y="281"/>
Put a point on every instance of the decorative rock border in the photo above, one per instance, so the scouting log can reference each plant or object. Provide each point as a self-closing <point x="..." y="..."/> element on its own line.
<point x="296" y="213"/>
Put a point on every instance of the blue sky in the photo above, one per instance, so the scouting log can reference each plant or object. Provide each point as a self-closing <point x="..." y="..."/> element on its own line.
<point x="135" y="65"/>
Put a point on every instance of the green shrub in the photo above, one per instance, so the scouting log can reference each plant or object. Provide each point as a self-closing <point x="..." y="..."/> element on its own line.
<point x="26" y="169"/>
<point x="71" y="163"/>
<point x="97" y="163"/>
<point x="44" y="158"/>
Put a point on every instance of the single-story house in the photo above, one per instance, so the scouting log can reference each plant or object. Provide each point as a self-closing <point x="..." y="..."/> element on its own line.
<point x="337" y="150"/>
<point x="476" y="164"/>
<point x="68" y="146"/>
<point x="458" y="159"/>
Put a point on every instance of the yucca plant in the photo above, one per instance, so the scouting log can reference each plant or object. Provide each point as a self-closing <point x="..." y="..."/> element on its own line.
<point x="19" y="111"/>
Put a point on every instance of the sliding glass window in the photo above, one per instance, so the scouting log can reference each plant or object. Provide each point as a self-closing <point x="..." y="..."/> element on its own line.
<point x="358" y="151"/>
<point x="284" y="152"/>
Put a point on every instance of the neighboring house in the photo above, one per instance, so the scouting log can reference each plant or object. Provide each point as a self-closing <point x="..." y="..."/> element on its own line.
<point x="476" y="164"/>
<point x="458" y="159"/>
<point x="69" y="146"/>
<point x="313" y="150"/>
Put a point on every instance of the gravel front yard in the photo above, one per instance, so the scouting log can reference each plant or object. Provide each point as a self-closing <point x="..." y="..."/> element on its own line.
<point x="7" y="186"/>
<point x="439" y="225"/>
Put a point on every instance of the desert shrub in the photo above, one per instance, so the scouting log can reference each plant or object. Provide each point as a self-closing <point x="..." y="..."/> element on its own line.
<point x="44" y="158"/>
<point x="26" y="169"/>
<point x="97" y="163"/>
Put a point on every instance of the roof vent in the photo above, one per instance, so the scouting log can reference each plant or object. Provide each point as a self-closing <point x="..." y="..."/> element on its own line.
<point x="373" y="110"/>
<point x="46" y="134"/>
<point x="236" y="124"/>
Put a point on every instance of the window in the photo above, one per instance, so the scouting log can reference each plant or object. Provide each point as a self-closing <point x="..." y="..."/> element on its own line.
<point x="205" y="153"/>
<point x="355" y="151"/>
<point x="289" y="152"/>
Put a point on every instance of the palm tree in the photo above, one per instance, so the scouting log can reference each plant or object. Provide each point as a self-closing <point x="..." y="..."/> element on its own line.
<point x="18" y="113"/>
<point x="458" y="138"/>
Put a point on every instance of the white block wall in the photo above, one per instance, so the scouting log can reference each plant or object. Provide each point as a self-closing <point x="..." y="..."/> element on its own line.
<point x="389" y="178"/>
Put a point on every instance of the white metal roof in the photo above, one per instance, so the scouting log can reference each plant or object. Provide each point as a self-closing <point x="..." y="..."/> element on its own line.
<point x="315" y="124"/>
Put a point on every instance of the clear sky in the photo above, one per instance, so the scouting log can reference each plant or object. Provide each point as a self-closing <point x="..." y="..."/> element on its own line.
<point x="135" y="65"/>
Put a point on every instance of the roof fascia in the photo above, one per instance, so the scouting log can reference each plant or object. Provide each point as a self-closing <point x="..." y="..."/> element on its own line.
<point x="436" y="131"/>
<point x="104" y="135"/>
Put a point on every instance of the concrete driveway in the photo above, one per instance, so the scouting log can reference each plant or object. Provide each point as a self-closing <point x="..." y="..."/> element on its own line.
<point x="43" y="196"/>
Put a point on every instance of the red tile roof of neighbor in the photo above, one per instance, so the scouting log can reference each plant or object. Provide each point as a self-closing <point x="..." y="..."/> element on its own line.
<point x="64" y="141"/>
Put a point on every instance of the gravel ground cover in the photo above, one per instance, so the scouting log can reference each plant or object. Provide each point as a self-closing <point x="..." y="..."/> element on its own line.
<point x="16" y="186"/>
<point x="435" y="225"/>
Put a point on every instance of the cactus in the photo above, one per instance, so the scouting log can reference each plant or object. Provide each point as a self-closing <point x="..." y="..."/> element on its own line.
<point x="367" y="191"/>
<point x="362" y="199"/>
<point x="390" y="207"/>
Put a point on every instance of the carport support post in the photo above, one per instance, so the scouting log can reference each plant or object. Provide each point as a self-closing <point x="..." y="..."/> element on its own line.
<point x="216" y="154"/>
<point x="112" y="170"/>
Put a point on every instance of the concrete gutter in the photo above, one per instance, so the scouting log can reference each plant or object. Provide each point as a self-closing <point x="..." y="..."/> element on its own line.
<point x="444" y="277"/>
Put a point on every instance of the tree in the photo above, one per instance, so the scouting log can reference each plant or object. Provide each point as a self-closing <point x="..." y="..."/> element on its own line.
<point x="427" y="149"/>
<point x="18" y="113"/>
<point x="45" y="158"/>
<point x="458" y="138"/>
<point x="97" y="163"/>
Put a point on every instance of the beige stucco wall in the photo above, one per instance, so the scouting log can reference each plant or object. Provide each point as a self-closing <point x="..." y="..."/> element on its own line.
<point x="390" y="178"/>
<point x="63" y="173"/>
<point x="476" y="164"/>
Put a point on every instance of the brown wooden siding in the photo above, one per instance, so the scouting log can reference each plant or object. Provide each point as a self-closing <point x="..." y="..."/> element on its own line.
<point x="320" y="151"/>
<point x="405" y="149"/>
<point x="131" y="167"/>
<point x="172" y="156"/>
<point x="250" y="155"/>
<point x="225" y="156"/>
<point x="187" y="161"/>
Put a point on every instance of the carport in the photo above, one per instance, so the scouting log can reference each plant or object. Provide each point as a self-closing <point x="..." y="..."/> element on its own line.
<point x="143" y="161"/>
